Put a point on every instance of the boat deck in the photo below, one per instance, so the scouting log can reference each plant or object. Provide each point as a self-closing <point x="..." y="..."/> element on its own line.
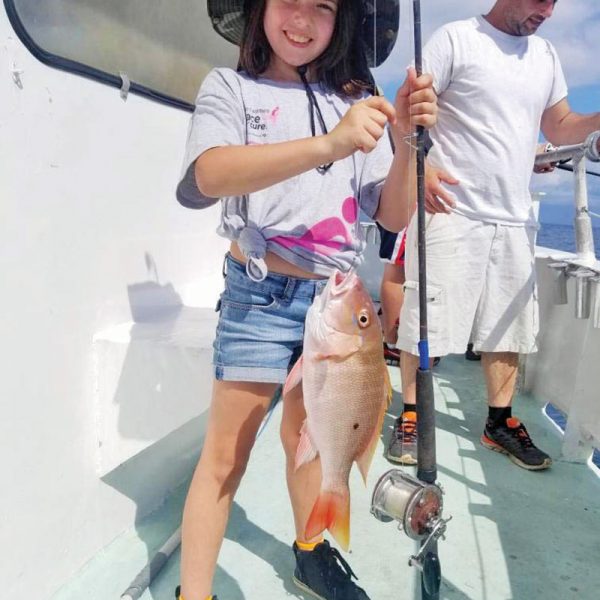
<point x="514" y="534"/>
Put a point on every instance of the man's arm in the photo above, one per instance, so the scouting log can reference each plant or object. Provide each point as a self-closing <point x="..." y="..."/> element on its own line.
<point x="561" y="125"/>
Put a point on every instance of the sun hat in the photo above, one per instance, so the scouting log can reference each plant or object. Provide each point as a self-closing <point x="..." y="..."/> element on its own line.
<point x="379" y="27"/>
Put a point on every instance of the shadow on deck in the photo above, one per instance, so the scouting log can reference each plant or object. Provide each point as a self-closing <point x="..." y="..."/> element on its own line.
<point x="515" y="535"/>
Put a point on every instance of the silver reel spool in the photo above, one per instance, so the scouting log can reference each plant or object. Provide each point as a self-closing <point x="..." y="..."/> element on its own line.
<point x="416" y="505"/>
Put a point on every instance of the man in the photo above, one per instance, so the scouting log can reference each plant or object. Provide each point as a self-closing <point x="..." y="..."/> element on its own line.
<point x="497" y="83"/>
<point x="391" y="291"/>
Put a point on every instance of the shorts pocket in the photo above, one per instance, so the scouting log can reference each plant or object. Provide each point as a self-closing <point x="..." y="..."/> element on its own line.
<point x="247" y="295"/>
<point x="436" y="305"/>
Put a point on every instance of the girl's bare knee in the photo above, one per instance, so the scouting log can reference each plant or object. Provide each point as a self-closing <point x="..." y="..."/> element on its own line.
<point x="227" y="469"/>
<point x="290" y="438"/>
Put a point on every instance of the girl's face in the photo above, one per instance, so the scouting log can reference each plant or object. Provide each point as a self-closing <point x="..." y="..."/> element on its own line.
<point x="298" y="32"/>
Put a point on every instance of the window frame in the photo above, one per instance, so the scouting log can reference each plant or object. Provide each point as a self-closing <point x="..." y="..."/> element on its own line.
<point x="72" y="66"/>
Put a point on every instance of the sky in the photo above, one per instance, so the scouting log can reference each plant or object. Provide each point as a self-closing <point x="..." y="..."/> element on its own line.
<point x="574" y="29"/>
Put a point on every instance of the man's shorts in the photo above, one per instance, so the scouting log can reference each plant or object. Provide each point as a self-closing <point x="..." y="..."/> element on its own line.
<point x="480" y="287"/>
<point x="261" y="324"/>
<point x="391" y="246"/>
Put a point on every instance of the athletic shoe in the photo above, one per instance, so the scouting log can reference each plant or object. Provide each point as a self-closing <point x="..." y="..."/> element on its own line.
<point x="513" y="440"/>
<point x="324" y="574"/>
<point x="470" y="355"/>
<point x="391" y="354"/>
<point x="179" y="597"/>
<point x="402" y="445"/>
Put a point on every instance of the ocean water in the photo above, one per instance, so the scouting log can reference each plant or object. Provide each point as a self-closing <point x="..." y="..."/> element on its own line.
<point x="562" y="237"/>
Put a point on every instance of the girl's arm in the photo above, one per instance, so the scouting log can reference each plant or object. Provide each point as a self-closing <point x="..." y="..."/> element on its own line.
<point x="397" y="200"/>
<point x="416" y="104"/>
<point x="237" y="170"/>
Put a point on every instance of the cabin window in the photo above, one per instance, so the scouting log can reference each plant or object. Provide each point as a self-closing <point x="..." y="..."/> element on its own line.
<point x="161" y="45"/>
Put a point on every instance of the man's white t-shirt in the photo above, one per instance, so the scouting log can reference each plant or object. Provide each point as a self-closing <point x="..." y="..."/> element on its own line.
<point x="492" y="91"/>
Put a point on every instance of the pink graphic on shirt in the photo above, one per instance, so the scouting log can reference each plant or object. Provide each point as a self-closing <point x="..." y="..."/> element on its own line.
<point x="274" y="114"/>
<point x="327" y="236"/>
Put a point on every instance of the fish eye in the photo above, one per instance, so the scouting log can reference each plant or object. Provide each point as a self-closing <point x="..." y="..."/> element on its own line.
<point x="363" y="319"/>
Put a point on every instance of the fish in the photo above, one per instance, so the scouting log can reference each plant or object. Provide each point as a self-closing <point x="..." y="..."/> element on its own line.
<point x="346" y="389"/>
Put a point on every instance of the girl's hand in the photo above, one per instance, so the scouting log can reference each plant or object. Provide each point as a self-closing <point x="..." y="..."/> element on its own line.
<point x="416" y="104"/>
<point x="361" y="127"/>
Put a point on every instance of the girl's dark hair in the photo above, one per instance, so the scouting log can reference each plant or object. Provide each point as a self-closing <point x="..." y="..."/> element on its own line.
<point x="343" y="65"/>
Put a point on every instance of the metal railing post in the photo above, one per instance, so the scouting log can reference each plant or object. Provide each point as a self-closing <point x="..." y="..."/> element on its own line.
<point x="584" y="236"/>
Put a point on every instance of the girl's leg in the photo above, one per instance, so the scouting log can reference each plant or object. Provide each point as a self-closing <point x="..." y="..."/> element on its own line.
<point x="304" y="484"/>
<point x="236" y="412"/>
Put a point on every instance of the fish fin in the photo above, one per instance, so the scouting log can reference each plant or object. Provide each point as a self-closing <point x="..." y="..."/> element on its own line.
<point x="339" y="345"/>
<point x="365" y="459"/>
<point x="306" y="450"/>
<point x="331" y="511"/>
<point x="294" y="376"/>
<point x="388" y="388"/>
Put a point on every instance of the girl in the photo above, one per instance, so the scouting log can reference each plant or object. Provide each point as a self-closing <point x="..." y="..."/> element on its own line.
<point x="292" y="144"/>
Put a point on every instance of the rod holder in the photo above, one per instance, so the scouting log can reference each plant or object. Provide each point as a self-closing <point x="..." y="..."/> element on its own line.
<point x="582" y="293"/>
<point x="560" y="272"/>
<point x="595" y="293"/>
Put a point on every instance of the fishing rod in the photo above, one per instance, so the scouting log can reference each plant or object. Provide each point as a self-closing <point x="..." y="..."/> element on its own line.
<point x="571" y="169"/>
<point x="427" y="559"/>
<point x="416" y="503"/>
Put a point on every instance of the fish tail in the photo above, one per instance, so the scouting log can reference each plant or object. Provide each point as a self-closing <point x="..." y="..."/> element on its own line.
<point x="331" y="511"/>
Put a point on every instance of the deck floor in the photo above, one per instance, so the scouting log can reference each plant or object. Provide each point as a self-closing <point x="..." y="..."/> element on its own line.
<point x="514" y="534"/>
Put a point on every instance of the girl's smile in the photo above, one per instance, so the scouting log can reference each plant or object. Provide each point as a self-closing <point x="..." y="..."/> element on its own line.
<point x="298" y="31"/>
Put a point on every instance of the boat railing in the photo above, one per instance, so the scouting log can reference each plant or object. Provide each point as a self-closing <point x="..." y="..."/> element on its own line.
<point x="578" y="154"/>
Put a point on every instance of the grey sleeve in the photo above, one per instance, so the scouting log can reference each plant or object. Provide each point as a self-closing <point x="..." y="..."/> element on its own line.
<point x="375" y="170"/>
<point x="218" y="120"/>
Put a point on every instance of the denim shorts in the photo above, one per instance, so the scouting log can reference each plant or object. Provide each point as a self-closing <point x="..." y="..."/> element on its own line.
<point x="261" y="324"/>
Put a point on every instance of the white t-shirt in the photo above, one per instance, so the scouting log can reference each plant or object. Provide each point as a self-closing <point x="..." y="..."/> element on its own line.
<point x="493" y="89"/>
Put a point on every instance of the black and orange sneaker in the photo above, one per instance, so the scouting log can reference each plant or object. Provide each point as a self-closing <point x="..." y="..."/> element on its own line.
<point x="402" y="445"/>
<point x="324" y="574"/>
<point x="511" y="438"/>
<point x="178" y="595"/>
<point x="391" y="354"/>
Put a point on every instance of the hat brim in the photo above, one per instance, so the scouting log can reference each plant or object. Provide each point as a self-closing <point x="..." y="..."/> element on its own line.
<point x="379" y="27"/>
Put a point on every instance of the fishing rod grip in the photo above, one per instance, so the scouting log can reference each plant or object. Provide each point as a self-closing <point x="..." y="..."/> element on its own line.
<point x="426" y="463"/>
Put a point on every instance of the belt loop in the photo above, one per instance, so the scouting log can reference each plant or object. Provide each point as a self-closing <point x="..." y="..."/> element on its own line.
<point x="224" y="267"/>
<point x="290" y="288"/>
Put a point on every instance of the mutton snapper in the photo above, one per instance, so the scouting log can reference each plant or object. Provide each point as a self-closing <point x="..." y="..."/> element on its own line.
<point x="346" y="390"/>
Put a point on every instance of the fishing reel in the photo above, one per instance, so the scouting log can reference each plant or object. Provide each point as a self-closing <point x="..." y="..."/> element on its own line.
<point x="417" y="506"/>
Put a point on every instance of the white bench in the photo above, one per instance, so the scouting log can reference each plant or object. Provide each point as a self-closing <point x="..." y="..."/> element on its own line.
<point x="151" y="378"/>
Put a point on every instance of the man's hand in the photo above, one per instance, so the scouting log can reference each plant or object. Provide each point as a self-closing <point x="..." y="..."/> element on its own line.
<point x="544" y="167"/>
<point x="437" y="198"/>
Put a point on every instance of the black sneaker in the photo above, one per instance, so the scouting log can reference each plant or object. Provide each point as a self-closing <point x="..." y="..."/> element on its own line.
<point x="178" y="594"/>
<point x="512" y="439"/>
<point x="402" y="446"/>
<point x="324" y="574"/>
<point x="391" y="354"/>
<point x="470" y="355"/>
